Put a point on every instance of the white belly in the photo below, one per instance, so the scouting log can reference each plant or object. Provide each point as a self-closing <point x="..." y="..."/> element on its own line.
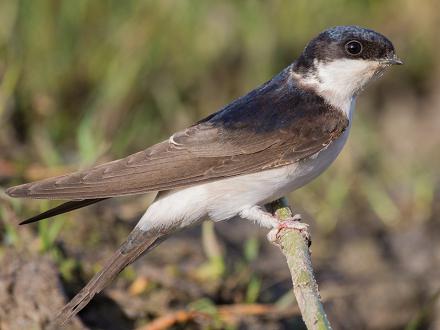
<point x="231" y="195"/>
<point x="224" y="199"/>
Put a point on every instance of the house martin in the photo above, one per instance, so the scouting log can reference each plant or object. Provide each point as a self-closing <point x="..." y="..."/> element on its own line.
<point x="269" y="142"/>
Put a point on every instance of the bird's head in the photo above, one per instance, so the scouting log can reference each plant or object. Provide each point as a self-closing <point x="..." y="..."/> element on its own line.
<point x="340" y="61"/>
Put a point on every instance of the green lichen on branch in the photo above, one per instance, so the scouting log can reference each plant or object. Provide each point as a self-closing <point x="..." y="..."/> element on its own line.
<point x="295" y="246"/>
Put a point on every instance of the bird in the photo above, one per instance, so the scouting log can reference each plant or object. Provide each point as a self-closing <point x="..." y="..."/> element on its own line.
<point x="261" y="146"/>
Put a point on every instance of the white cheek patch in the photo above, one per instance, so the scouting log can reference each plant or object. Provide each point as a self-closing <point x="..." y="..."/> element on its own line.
<point x="346" y="74"/>
<point x="340" y="80"/>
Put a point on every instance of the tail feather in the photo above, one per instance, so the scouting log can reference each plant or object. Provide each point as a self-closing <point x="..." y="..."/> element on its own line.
<point x="137" y="243"/>
<point x="62" y="208"/>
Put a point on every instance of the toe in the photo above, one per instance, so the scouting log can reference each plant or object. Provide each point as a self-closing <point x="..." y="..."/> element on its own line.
<point x="297" y="217"/>
<point x="272" y="235"/>
<point x="293" y="224"/>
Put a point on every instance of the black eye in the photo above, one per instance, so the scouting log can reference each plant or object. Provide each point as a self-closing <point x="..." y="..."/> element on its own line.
<point x="353" y="47"/>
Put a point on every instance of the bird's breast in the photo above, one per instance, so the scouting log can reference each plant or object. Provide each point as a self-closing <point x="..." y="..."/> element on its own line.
<point x="224" y="199"/>
<point x="230" y="195"/>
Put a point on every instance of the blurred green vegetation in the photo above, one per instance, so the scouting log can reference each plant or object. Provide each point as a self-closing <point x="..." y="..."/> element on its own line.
<point x="89" y="81"/>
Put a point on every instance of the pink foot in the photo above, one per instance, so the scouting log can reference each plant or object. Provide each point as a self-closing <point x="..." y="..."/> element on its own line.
<point x="291" y="223"/>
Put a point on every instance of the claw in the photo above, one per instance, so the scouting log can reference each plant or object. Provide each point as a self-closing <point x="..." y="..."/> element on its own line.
<point x="290" y="223"/>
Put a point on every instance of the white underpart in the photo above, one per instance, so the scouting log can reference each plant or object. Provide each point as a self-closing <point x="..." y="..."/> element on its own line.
<point x="340" y="80"/>
<point x="337" y="82"/>
<point x="237" y="196"/>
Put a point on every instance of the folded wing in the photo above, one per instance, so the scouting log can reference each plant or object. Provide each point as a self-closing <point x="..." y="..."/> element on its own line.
<point x="199" y="154"/>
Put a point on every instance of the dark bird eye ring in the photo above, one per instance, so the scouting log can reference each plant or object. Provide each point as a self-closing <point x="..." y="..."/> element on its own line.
<point x="353" y="47"/>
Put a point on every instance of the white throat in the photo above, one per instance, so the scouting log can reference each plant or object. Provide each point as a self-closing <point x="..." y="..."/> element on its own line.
<point x="339" y="81"/>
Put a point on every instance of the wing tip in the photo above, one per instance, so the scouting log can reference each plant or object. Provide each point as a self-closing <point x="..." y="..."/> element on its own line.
<point x="20" y="191"/>
<point x="10" y="191"/>
<point x="17" y="191"/>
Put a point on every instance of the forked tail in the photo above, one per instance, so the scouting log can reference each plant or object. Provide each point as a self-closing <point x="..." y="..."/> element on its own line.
<point x="137" y="243"/>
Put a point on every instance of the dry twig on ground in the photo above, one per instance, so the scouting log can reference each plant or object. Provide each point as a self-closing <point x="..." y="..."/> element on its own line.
<point x="226" y="313"/>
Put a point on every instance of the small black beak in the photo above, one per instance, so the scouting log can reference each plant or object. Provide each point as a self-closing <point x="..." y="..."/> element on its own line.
<point x="393" y="60"/>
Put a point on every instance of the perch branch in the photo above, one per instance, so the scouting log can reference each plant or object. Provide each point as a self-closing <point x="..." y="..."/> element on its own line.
<point x="295" y="246"/>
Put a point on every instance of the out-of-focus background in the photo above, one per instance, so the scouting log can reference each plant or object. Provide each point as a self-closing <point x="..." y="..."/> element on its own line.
<point x="83" y="82"/>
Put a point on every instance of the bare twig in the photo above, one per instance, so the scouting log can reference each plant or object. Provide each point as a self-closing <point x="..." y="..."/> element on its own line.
<point x="172" y="318"/>
<point x="226" y="313"/>
<point x="295" y="246"/>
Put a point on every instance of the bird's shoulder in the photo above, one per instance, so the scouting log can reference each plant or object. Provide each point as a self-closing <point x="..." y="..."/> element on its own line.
<point x="279" y="109"/>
